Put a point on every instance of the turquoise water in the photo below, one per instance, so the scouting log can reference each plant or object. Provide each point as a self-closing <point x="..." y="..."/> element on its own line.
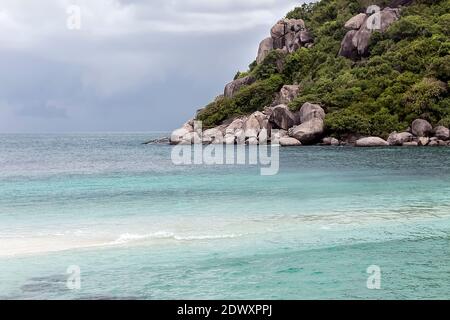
<point x="140" y="227"/>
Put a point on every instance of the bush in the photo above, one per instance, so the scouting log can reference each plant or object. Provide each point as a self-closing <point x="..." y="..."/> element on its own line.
<point x="421" y="100"/>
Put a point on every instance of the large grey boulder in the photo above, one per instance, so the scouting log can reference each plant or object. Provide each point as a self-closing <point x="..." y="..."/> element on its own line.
<point x="213" y="136"/>
<point x="282" y="117"/>
<point x="356" y="42"/>
<point x="252" y="126"/>
<point x="308" y="132"/>
<point x="421" y="128"/>
<point x="442" y="133"/>
<point x="311" y="111"/>
<point x="233" y="87"/>
<point x="264" y="49"/>
<point x="179" y="135"/>
<point x="356" y="22"/>
<point x="388" y="17"/>
<point x="287" y="94"/>
<point x="371" y="142"/>
<point x="289" y="142"/>
<point x="398" y="139"/>
<point x="305" y="37"/>
<point x="235" y="125"/>
<point x="347" y="49"/>
<point x="285" y="33"/>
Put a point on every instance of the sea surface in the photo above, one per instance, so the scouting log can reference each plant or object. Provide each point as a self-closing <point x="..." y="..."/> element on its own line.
<point x="139" y="227"/>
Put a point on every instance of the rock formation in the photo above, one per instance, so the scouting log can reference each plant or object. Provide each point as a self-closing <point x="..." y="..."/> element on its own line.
<point x="356" y="42"/>
<point x="288" y="35"/>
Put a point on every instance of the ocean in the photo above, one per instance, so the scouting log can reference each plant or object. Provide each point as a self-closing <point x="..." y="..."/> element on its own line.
<point x="136" y="226"/>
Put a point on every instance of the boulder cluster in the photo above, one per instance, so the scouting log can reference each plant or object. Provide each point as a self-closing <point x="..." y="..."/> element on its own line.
<point x="276" y="124"/>
<point x="356" y="42"/>
<point x="421" y="133"/>
<point x="288" y="35"/>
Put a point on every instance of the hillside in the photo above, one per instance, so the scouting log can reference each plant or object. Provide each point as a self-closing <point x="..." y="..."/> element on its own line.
<point x="377" y="84"/>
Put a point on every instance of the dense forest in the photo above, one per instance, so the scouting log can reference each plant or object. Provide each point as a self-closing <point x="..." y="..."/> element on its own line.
<point x="403" y="76"/>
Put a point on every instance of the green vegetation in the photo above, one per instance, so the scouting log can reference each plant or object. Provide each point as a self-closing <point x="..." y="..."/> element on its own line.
<point x="405" y="76"/>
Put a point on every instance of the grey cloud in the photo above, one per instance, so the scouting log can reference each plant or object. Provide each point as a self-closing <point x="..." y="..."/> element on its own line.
<point x="125" y="70"/>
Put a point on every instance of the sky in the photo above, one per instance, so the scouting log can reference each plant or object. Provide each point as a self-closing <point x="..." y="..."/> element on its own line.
<point x="123" y="65"/>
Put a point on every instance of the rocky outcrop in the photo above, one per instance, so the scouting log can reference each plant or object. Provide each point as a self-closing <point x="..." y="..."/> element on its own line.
<point x="281" y="117"/>
<point x="356" y="42"/>
<point x="264" y="49"/>
<point x="287" y="94"/>
<point x="356" y="22"/>
<point x="181" y="135"/>
<point x="371" y="142"/>
<point x="309" y="132"/>
<point x="422" y="135"/>
<point x="289" y="142"/>
<point x="233" y="87"/>
<point x="287" y="35"/>
<point x="398" y="139"/>
<point x="442" y="133"/>
<point x="421" y="128"/>
<point x="311" y="118"/>
<point x="311" y="111"/>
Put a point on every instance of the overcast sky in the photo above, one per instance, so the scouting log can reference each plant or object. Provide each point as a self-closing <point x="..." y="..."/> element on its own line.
<point x="133" y="66"/>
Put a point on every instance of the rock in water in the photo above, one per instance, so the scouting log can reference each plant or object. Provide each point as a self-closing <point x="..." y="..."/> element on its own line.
<point x="330" y="141"/>
<point x="421" y="128"/>
<point x="178" y="135"/>
<point x="442" y="133"/>
<point x="308" y="132"/>
<point x="289" y="142"/>
<point x="398" y="139"/>
<point x="423" y="141"/>
<point x="371" y="142"/>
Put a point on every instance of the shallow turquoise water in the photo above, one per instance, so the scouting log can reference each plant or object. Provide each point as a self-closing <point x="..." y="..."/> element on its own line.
<point x="140" y="227"/>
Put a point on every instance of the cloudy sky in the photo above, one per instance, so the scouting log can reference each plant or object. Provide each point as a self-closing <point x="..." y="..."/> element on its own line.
<point x="134" y="65"/>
